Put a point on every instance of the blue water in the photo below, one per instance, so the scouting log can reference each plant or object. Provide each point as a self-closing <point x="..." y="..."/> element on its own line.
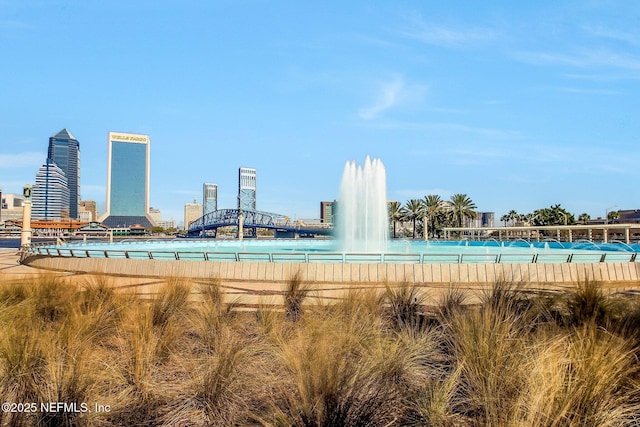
<point x="399" y="251"/>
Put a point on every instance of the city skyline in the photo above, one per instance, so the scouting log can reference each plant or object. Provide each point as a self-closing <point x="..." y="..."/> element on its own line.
<point x="519" y="106"/>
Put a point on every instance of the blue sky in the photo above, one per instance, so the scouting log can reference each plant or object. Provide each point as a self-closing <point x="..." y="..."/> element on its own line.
<point x="520" y="105"/>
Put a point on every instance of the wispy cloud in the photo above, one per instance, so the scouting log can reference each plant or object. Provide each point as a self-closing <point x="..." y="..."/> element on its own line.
<point x="445" y="36"/>
<point x="387" y="96"/>
<point x="632" y="38"/>
<point x="583" y="58"/>
<point x="455" y="128"/>
<point x="603" y="77"/>
<point x="584" y="91"/>
<point x="562" y="158"/>
<point x="19" y="160"/>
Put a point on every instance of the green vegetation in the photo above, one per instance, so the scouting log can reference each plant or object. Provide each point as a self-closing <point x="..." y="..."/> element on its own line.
<point x="433" y="211"/>
<point x="383" y="356"/>
<point x="553" y="215"/>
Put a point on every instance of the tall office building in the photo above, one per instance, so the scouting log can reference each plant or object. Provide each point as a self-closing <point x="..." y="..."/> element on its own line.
<point x="192" y="211"/>
<point x="64" y="151"/>
<point x="209" y="198"/>
<point x="50" y="193"/>
<point x="127" y="181"/>
<point x="247" y="189"/>
<point x="327" y="212"/>
<point x="155" y="214"/>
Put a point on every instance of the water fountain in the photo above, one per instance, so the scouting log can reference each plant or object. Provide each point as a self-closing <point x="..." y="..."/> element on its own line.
<point x="362" y="218"/>
<point x="361" y="253"/>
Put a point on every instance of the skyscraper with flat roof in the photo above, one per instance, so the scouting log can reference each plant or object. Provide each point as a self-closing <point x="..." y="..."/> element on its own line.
<point x="50" y="193"/>
<point x="327" y="212"/>
<point x="64" y="151"/>
<point x="127" y="180"/>
<point x="192" y="211"/>
<point x="247" y="189"/>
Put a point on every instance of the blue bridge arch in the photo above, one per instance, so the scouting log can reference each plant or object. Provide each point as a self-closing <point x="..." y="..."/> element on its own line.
<point x="253" y="220"/>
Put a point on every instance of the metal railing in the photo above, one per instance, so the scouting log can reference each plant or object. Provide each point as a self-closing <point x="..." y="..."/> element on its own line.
<point x="341" y="258"/>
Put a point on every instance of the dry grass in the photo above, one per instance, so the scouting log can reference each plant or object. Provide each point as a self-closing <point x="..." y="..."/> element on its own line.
<point x="378" y="357"/>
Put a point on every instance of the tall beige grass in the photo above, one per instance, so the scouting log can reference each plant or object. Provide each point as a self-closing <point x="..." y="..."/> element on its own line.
<point x="380" y="356"/>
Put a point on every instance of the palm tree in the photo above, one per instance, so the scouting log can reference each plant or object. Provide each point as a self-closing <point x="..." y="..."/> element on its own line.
<point x="395" y="215"/>
<point x="504" y="218"/>
<point x="462" y="207"/>
<point x="513" y="216"/>
<point x="433" y="208"/>
<point x="584" y="218"/>
<point x="412" y="211"/>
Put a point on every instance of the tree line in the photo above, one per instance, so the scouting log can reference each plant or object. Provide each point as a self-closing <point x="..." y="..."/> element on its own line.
<point x="455" y="212"/>
<point x="435" y="211"/>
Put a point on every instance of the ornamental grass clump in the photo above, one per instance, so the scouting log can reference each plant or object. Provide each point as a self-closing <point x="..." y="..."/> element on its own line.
<point x="332" y="376"/>
<point x="588" y="303"/>
<point x="452" y="303"/>
<point x="295" y="293"/>
<point x="585" y="377"/>
<point x="22" y="367"/>
<point x="212" y="315"/>
<point x="489" y="345"/>
<point x="217" y="385"/>
<point x="404" y="303"/>
<point x="170" y="301"/>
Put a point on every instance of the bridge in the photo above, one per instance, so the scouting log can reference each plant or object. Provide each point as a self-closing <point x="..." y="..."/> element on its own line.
<point x="254" y="220"/>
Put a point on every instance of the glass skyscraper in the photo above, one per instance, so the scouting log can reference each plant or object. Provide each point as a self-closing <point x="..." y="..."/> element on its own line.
<point x="64" y="151"/>
<point x="50" y="193"/>
<point x="247" y="189"/>
<point x="127" y="181"/>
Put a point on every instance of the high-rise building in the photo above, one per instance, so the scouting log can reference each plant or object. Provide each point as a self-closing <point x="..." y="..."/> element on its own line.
<point x="192" y="211"/>
<point x="50" y="193"/>
<point x="64" y="151"/>
<point x="89" y="206"/>
<point x="127" y="181"/>
<point x="327" y="212"/>
<point x="155" y="214"/>
<point x="209" y="198"/>
<point x="247" y="189"/>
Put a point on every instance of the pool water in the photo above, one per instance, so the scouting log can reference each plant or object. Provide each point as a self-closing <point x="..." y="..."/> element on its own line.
<point x="326" y="250"/>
